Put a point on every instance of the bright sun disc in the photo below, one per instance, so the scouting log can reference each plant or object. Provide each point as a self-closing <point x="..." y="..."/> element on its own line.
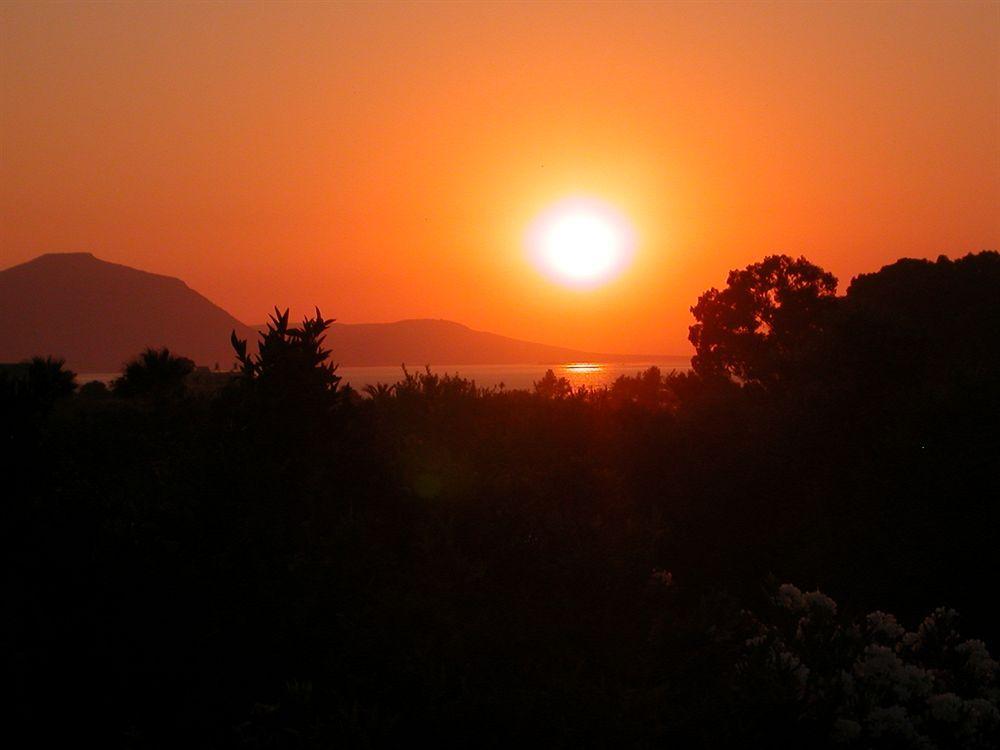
<point x="581" y="242"/>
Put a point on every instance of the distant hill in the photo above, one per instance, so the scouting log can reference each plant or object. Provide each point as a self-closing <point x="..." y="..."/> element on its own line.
<point x="97" y="315"/>
<point x="443" y="342"/>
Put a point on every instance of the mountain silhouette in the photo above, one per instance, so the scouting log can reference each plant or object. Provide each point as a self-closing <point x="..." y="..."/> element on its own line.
<point x="97" y="315"/>
<point x="444" y="342"/>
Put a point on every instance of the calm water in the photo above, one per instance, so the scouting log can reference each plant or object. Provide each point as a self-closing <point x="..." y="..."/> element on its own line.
<point x="511" y="376"/>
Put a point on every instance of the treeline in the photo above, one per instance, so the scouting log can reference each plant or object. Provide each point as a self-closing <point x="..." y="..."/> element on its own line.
<point x="284" y="562"/>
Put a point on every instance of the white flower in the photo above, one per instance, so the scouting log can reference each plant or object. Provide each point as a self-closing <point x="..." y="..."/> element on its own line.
<point x="789" y="597"/>
<point x="845" y="730"/>
<point x="978" y="662"/>
<point x="945" y="707"/>
<point x="912" y="681"/>
<point x="878" y="661"/>
<point x="817" y="601"/>
<point x="982" y="712"/>
<point x="881" y="667"/>
<point x="941" y="624"/>
<point x="847" y="683"/>
<point x="892" y="722"/>
<point x="663" y="577"/>
<point x="800" y="628"/>
<point x="883" y="627"/>
<point x="791" y="663"/>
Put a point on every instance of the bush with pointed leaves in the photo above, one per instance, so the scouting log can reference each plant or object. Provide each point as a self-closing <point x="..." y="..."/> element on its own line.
<point x="291" y="363"/>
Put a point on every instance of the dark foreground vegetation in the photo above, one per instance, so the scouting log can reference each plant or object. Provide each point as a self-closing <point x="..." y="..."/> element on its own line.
<point x="282" y="562"/>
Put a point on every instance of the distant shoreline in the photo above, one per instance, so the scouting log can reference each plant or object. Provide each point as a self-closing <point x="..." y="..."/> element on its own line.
<point x="512" y="376"/>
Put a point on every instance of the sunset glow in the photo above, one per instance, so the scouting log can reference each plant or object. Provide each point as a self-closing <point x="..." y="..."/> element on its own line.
<point x="501" y="373"/>
<point x="386" y="160"/>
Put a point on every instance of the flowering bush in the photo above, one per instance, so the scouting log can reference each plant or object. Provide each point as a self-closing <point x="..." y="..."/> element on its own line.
<point x="871" y="684"/>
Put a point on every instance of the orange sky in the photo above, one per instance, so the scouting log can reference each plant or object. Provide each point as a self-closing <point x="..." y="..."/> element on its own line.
<point x="384" y="160"/>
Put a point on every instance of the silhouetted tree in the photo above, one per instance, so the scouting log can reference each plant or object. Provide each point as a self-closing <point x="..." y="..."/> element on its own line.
<point x="647" y="389"/>
<point x="289" y="385"/>
<point x="760" y="326"/>
<point x="290" y="360"/>
<point x="94" y="389"/>
<point x="155" y="373"/>
<point x="923" y="320"/>
<point x="49" y="380"/>
<point x="551" y="386"/>
<point x="34" y="386"/>
<point x="28" y="391"/>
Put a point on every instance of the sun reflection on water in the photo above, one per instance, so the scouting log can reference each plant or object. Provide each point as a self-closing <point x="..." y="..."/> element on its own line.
<point x="583" y="367"/>
<point x="582" y="373"/>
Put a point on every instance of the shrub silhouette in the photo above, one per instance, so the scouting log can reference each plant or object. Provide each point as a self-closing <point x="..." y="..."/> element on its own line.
<point x="433" y="387"/>
<point x="94" y="389"/>
<point x="29" y="390"/>
<point x="48" y="380"/>
<point x="155" y="373"/>
<point x="290" y="362"/>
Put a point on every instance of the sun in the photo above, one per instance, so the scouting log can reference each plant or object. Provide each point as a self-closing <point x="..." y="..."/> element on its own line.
<point x="581" y="242"/>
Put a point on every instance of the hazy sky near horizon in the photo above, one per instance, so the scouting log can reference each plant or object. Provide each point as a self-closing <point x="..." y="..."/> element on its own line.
<point x="385" y="160"/>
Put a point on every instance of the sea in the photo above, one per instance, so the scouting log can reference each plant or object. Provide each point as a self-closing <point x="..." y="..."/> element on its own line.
<point x="510" y="377"/>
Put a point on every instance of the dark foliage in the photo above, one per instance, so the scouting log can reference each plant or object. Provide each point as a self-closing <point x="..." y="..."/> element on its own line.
<point x="28" y="391"/>
<point x="552" y="387"/>
<point x="41" y="381"/>
<point x="283" y="563"/>
<point x="289" y="378"/>
<point x="760" y="327"/>
<point x="289" y="359"/>
<point x="155" y="373"/>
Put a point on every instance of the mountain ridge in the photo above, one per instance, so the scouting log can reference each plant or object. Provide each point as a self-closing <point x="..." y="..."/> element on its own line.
<point x="98" y="314"/>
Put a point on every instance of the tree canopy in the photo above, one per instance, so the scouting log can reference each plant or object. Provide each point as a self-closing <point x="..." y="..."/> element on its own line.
<point x="155" y="372"/>
<point x="760" y="326"/>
